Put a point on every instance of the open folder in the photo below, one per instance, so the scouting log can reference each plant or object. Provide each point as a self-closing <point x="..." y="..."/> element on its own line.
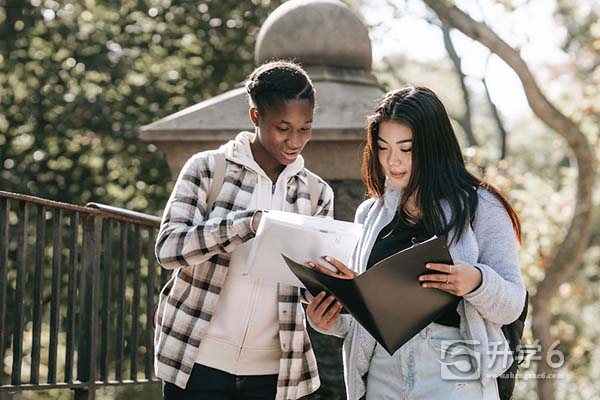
<point x="301" y="237"/>
<point x="387" y="299"/>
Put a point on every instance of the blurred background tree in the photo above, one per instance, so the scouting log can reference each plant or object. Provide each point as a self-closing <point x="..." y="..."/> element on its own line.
<point x="546" y="168"/>
<point x="78" y="79"/>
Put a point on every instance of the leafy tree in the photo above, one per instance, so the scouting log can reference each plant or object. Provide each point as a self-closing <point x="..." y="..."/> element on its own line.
<point x="78" y="79"/>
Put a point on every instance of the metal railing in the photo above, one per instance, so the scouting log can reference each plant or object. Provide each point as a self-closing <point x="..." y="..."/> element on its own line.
<point x="77" y="293"/>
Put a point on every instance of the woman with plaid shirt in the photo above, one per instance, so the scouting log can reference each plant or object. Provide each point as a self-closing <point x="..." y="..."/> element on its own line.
<point x="221" y="334"/>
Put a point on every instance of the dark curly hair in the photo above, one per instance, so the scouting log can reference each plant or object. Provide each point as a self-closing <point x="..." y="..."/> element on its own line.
<point x="276" y="82"/>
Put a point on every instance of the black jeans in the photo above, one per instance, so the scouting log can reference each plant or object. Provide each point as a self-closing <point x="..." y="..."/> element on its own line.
<point x="207" y="383"/>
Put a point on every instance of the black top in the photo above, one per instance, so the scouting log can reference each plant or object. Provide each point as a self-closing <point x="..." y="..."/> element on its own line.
<point x="399" y="235"/>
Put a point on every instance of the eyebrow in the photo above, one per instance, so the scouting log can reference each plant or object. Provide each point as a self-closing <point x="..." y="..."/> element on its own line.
<point x="398" y="142"/>
<point x="283" y="121"/>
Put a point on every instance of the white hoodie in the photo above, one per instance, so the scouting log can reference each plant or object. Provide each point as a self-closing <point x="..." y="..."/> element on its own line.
<point x="243" y="334"/>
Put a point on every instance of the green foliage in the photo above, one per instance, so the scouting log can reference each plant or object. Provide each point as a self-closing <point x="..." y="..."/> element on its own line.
<point x="78" y="79"/>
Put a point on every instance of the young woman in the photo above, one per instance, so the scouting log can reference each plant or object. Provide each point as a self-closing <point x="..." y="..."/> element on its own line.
<point x="221" y="334"/>
<point x="419" y="187"/>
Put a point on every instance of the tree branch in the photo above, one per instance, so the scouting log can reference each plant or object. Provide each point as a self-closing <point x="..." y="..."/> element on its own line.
<point x="569" y="254"/>
<point x="465" y="120"/>
<point x="576" y="241"/>
<point x="499" y="124"/>
<point x="496" y="114"/>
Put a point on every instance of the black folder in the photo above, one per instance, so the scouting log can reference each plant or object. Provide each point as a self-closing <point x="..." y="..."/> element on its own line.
<point x="387" y="299"/>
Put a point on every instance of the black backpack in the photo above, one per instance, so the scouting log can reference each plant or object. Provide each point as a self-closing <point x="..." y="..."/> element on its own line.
<point x="513" y="333"/>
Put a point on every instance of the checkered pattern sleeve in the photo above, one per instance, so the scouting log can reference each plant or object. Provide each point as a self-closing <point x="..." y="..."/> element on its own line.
<point x="186" y="236"/>
<point x="325" y="203"/>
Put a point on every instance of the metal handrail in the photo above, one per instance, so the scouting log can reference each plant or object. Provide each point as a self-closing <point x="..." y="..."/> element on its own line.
<point x="68" y="272"/>
<point x="125" y="215"/>
<point x="121" y="214"/>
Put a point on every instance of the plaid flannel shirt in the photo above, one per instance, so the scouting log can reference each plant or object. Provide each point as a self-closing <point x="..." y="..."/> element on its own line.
<point x="197" y="247"/>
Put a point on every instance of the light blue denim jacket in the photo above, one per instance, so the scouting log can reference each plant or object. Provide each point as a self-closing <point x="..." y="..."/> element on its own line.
<point x="489" y="244"/>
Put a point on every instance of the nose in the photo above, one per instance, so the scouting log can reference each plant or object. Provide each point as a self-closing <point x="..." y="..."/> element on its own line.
<point x="394" y="157"/>
<point x="297" y="138"/>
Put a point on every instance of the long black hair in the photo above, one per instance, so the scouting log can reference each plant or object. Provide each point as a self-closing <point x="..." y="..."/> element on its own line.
<point x="438" y="168"/>
<point x="276" y="82"/>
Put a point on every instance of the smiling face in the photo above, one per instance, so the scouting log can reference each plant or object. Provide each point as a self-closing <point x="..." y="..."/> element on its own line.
<point x="394" y="145"/>
<point x="282" y="133"/>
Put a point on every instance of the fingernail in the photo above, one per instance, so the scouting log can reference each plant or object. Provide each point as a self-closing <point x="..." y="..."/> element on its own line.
<point x="310" y="264"/>
<point x="425" y="285"/>
<point x="421" y="278"/>
<point x="428" y="266"/>
<point x="327" y="258"/>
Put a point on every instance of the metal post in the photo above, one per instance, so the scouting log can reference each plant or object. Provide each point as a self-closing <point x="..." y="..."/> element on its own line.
<point x="86" y="362"/>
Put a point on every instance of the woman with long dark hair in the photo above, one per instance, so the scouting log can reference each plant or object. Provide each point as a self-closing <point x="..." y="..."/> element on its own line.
<point x="419" y="187"/>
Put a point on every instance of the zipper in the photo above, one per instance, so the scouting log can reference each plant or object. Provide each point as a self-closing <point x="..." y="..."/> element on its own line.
<point x="255" y="289"/>
<point x="253" y="299"/>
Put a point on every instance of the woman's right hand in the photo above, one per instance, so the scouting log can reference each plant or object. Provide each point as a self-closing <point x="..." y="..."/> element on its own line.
<point x="323" y="311"/>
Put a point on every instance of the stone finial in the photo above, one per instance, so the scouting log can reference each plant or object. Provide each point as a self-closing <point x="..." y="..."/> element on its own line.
<point x="315" y="32"/>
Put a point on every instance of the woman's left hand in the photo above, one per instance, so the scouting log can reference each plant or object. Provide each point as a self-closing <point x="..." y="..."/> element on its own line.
<point x="458" y="279"/>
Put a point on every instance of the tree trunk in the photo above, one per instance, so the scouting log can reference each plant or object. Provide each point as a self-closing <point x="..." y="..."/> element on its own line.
<point x="570" y="252"/>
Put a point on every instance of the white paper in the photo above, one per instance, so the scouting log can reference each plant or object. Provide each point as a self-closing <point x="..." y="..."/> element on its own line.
<point x="302" y="238"/>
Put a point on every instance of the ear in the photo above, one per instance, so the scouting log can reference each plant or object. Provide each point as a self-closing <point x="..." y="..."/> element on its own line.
<point x="253" y="112"/>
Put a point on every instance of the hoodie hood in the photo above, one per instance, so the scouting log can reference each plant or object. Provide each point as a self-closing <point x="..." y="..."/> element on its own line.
<point x="238" y="151"/>
<point x="392" y="195"/>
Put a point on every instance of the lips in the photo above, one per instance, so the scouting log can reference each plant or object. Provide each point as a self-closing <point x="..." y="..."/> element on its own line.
<point x="291" y="154"/>
<point x="397" y="175"/>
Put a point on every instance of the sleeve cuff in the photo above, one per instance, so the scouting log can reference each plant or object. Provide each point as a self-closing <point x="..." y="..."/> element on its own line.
<point x="339" y="329"/>
<point x="242" y="223"/>
<point x="475" y="293"/>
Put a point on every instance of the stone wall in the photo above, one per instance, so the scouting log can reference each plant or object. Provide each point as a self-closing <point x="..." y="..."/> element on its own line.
<point x="348" y="194"/>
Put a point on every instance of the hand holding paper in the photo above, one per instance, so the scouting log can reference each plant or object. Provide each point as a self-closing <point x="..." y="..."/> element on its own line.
<point x="302" y="237"/>
<point x="341" y="272"/>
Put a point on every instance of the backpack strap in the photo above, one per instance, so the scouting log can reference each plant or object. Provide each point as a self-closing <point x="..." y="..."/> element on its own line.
<point x="314" y="191"/>
<point x="213" y="191"/>
<point x="218" y="179"/>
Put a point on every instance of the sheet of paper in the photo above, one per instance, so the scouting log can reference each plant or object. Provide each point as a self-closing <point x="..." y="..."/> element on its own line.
<point x="303" y="238"/>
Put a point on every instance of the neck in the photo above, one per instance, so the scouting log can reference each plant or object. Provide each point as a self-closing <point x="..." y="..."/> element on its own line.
<point x="411" y="208"/>
<point x="271" y="167"/>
